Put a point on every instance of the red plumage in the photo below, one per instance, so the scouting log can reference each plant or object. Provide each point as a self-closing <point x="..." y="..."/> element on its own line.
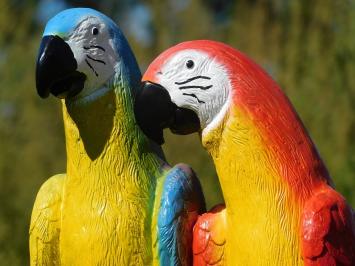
<point x="327" y="224"/>
<point x="209" y="238"/>
<point x="328" y="230"/>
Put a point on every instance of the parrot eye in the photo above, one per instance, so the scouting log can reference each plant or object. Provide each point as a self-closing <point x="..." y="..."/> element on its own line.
<point x="190" y="64"/>
<point x="95" y="31"/>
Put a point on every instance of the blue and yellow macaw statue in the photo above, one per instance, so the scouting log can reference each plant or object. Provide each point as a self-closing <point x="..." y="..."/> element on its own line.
<point x="119" y="202"/>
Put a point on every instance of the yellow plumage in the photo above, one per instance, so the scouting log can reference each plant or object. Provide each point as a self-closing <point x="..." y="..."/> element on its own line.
<point x="45" y="223"/>
<point x="119" y="202"/>
<point x="249" y="187"/>
<point x="101" y="210"/>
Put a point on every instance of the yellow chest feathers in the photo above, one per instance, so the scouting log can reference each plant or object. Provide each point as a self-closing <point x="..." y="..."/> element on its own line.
<point x="109" y="190"/>
<point x="262" y="215"/>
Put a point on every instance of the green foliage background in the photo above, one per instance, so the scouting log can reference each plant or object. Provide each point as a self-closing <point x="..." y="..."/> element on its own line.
<point x="307" y="46"/>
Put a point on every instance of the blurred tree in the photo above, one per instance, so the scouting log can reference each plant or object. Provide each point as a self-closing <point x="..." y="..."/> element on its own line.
<point x="30" y="130"/>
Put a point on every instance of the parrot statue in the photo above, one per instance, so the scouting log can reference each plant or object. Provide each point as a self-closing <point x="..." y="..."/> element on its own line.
<point x="280" y="204"/>
<point x="119" y="202"/>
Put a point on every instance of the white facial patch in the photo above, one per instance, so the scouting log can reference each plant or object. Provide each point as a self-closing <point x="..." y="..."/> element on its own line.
<point x="196" y="81"/>
<point x="94" y="52"/>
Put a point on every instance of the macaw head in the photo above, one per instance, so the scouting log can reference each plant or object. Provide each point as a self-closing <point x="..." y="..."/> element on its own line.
<point x="80" y="53"/>
<point x="190" y="83"/>
<point x="196" y="84"/>
<point x="211" y="88"/>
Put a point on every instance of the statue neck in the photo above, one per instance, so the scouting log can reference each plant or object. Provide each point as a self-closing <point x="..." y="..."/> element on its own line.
<point x="245" y="169"/>
<point x="105" y="146"/>
<point x="111" y="179"/>
<point x="257" y="197"/>
<point x="251" y="169"/>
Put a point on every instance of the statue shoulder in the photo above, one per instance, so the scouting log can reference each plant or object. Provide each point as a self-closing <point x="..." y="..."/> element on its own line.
<point x="45" y="222"/>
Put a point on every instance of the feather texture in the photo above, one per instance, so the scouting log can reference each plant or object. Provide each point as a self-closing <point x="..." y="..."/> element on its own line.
<point x="45" y="223"/>
<point x="209" y="238"/>
<point x="274" y="183"/>
<point x="102" y="211"/>
<point x="328" y="230"/>
<point x="181" y="203"/>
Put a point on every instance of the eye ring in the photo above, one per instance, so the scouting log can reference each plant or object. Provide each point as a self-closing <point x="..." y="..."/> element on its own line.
<point x="190" y="64"/>
<point x="94" y="31"/>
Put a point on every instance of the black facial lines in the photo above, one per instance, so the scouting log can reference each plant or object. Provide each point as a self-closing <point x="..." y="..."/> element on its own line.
<point x="193" y="86"/>
<point x="194" y="96"/>
<point x="92" y="68"/>
<point x="191" y="79"/>
<point x="96" y="60"/>
<point x="93" y="47"/>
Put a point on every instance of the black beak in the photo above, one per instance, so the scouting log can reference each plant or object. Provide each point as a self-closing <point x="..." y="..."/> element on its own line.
<point x="56" y="69"/>
<point x="155" y="111"/>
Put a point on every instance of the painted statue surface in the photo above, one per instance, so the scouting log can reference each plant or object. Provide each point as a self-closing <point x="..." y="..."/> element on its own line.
<point x="280" y="204"/>
<point x="119" y="202"/>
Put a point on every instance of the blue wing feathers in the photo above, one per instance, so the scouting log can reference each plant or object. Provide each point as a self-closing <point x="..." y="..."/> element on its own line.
<point x="182" y="201"/>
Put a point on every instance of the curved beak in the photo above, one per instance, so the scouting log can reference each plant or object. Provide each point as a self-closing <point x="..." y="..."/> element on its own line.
<point x="56" y="69"/>
<point x="155" y="111"/>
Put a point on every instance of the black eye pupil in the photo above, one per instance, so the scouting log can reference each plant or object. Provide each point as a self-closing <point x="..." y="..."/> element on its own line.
<point x="190" y="64"/>
<point x="95" y="31"/>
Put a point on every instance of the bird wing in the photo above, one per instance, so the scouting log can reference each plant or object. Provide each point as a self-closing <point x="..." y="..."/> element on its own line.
<point x="45" y="223"/>
<point x="209" y="238"/>
<point x="181" y="202"/>
<point x="328" y="230"/>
